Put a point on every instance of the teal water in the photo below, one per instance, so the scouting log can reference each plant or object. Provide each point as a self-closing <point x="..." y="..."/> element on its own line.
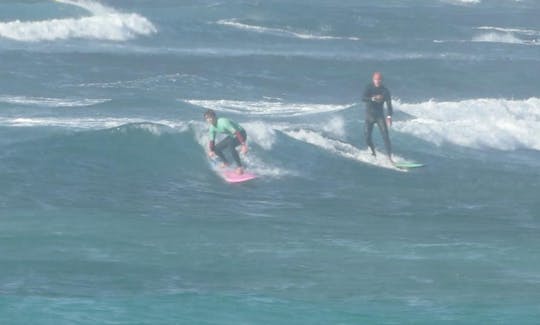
<point x="110" y="212"/>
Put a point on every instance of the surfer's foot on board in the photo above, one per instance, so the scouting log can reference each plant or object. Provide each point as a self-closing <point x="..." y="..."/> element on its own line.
<point x="240" y="170"/>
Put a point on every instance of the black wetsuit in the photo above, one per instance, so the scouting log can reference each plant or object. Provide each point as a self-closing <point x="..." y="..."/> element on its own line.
<point x="375" y="114"/>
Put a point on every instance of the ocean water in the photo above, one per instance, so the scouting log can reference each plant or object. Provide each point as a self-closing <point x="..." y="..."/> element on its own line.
<point x="110" y="212"/>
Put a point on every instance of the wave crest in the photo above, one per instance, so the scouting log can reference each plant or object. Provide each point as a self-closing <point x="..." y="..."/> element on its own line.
<point x="104" y="23"/>
<point x="507" y="35"/>
<point x="477" y="123"/>
<point x="273" y="108"/>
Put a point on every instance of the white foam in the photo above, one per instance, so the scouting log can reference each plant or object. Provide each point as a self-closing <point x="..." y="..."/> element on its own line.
<point x="280" y="32"/>
<point x="463" y="2"/>
<point x="51" y="102"/>
<point x="477" y="123"/>
<point x="529" y="32"/>
<point x="263" y="168"/>
<point x="104" y="23"/>
<point x="261" y="133"/>
<point x="507" y="35"/>
<point x="493" y="37"/>
<point x="340" y="148"/>
<point x="267" y="107"/>
<point x="335" y="126"/>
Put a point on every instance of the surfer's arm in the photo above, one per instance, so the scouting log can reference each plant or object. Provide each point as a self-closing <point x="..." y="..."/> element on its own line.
<point x="242" y="141"/>
<point x="240" y="137"/>
<point x="211" y="141"/>
<point x="388" y="100"/>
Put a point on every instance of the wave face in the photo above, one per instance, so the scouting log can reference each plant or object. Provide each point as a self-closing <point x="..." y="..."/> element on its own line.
<point x="103" y="23"/>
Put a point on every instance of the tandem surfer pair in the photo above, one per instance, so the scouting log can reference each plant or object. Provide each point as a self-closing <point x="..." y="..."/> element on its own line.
<point x="375" y="95"/>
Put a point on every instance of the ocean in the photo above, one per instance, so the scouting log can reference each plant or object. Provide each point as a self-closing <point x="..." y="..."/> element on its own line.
<point x="111" y="213"/>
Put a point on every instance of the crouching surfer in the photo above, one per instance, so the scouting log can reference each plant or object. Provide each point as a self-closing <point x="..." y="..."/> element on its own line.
<point x="235" y="136"/>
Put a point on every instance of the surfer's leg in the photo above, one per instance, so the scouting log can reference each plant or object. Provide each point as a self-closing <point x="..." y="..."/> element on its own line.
<point x="222" y="145"/>
<point x="368" y="129"/>
<point x="235" y="143"/>
<point x="236" y="157"/>
<point x="386" y="137"/>
<point x="234" y="153"/>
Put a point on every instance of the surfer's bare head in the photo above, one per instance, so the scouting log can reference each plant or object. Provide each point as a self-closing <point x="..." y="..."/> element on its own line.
<point x="377" y="79"/>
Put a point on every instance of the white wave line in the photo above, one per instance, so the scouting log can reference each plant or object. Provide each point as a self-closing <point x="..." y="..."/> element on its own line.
<point x="284" y="32"/>
<point x="89" y="123"/>
<point x="267" y="107"/>
<point x="51" y="102"/>
<point x="529" y="32"/>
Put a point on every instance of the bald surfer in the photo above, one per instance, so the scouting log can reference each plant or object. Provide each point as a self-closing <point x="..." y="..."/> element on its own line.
<point x="375" y="96"/>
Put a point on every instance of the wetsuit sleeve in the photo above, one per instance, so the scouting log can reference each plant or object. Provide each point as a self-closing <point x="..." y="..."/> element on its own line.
<point x="388" y="100"/>
<point x="240" y="137"/>
<point x="211" y="139"/>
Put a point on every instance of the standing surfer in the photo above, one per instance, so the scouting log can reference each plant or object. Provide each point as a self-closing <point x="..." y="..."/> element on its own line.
<point x="375" y="95"/>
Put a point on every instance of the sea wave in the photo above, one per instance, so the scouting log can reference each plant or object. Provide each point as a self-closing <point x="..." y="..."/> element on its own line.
<point x="274" y="108"/>
<point x="500" y="124"/>
<point x="280" y="31"/>
<point x="51" y="102"/>
<point x="463" y="2"/>
<point x="529" y="32"/>
<point x="83" y="123"/>
<point x="104" y="23"/>
<point x="493" y="34"/>
<point x="506" y="35"/>
<point x="340" y="148"/>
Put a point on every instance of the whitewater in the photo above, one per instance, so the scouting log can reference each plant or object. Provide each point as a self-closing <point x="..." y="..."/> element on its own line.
<point x="112" y="213"/>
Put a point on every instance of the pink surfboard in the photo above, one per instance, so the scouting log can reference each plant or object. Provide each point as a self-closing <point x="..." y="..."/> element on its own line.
<point x="232" y="177"/>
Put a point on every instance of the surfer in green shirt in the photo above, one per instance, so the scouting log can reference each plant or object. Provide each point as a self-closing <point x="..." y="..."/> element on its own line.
<point x="375" y="96"/>
<point x="236" y="136"/>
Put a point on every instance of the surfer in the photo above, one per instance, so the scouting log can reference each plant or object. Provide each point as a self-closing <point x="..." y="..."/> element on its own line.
<point x="375" y="95"/>
<point x="236" y="136"/>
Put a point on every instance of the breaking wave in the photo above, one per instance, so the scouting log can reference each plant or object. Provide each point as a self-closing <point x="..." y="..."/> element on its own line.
<point x="103" y="23"/>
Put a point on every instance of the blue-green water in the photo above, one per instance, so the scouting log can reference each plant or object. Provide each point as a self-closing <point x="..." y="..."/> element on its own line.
<point x="111" y="214"/>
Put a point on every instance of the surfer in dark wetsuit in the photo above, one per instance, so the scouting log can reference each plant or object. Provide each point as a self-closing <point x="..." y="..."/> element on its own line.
<point x="236" y="136"/>
<point x="375" y="95"/>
